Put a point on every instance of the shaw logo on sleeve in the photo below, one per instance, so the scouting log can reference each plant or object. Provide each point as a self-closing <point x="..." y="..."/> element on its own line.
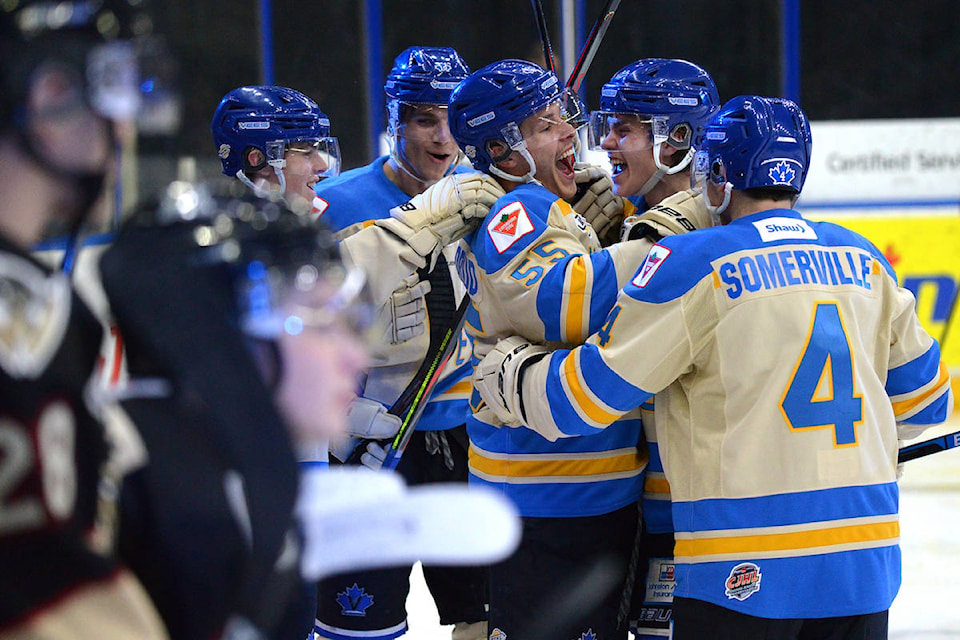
<point x="654" y="259"/>
<point x="509" y="225"/>
<point x="781" y="228"/>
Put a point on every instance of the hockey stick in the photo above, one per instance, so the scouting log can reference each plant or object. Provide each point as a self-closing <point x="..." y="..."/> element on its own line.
<point x="544" y="35"/>
<point x="925" y="448"/>
<point x="411" y="403"/>
<point x="591" y="45"/>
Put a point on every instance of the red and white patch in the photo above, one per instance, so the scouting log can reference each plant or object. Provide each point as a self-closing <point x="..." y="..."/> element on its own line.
<point x="649" y="267"/>
<point x="319" y="206"/>
<point x="508" y="226"/>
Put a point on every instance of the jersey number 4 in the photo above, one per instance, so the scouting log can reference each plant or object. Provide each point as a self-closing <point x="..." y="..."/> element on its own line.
<point x="822" y="391"/>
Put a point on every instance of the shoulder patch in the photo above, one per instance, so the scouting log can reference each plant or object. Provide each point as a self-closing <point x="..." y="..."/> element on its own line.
<point x="649" y="267"/>
<point x="509" y="225"/>
<point x="319" y="206"/>
<point x="34" y="310"/>
<point x="781" y="228"/>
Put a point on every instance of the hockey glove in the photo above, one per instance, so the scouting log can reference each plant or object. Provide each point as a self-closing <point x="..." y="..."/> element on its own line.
<point x="497" y="377"/>
<point x="596" y="202"/>
<point x="405" y="312"/>
<point x="444" y="213"/>
<point x="681" y="212"/>
<point x="373" y="457"/>
<point x="366" y="420"/>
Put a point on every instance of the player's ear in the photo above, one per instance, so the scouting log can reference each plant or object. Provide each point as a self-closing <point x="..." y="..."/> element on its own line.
<point x="503" y="155"/>
<point x="254" y="159"/>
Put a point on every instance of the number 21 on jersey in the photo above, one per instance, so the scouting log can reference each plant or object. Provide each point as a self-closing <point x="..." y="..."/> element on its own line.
<point x="822" y="392"/>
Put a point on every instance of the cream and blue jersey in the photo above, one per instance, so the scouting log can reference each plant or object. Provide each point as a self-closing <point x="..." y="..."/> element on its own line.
<point x="535" y="268"/>
<point x="783" y="355"/>
<point x="349" y="203"/>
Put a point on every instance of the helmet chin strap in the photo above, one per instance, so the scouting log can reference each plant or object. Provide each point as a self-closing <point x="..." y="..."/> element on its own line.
<point x="527" y="177"/>
<point x="662" y="170"/>
<point x="260" y="191"/>
<point x="715" y="211"/>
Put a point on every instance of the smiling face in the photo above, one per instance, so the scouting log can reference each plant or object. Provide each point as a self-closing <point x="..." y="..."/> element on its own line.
<point x="424" y="142"/>
<point x="550" y="142"/>
<point x="302" y="169"/>
<point x="629" y="145"/>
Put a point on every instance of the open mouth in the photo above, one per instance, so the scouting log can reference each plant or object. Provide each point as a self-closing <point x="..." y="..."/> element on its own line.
<point x="565" y="163"/>
<point x="617" y="164"/>
<point x="439" y="157"/>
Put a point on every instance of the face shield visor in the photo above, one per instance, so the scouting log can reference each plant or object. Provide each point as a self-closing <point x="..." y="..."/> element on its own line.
<point x="327" y="149"/>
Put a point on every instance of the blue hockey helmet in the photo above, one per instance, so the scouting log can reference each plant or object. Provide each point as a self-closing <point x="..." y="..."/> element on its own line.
<point x="425" y="75"/>
<point x="670" y="92"/>
<point x="492" y="102"/>
<point x="269" y="118"/>
<point x="756" y="142"/>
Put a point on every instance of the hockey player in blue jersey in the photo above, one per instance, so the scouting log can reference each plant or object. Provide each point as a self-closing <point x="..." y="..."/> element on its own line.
<point x="422" y="153"/>
<point x="787" y="364"/>
<point x="535" y="267"/>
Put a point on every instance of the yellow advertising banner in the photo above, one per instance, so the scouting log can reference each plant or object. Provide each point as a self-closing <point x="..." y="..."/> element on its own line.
<point x="924" y="250"/>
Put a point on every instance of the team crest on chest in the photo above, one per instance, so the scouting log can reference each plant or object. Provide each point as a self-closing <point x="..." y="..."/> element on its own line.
<point x="509" y="225"/>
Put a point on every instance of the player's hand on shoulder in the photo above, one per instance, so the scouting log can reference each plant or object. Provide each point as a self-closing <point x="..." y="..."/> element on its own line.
<point x="682" y="212"/>
<point x="497" y="377"/>
<point x="596" y="202"/>
<point x="447" y="211"/>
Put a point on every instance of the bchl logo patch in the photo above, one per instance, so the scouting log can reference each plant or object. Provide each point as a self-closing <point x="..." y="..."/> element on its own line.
<point x="497" y="634"/>
<point x="743" y="581"/>
<point x="508" y="226"/>
<point x="223" y="151"/>
<point x="649" y="267"/>
<point x="780" y="228"/>
<point x="354" y="601"/>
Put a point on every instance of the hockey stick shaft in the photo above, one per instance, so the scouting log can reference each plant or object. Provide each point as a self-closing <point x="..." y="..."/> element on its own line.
<point x="925" y="448"/>
<point x="591" y="45"/>
<point x="410" y="412"/>
<point x="541" y="18"/>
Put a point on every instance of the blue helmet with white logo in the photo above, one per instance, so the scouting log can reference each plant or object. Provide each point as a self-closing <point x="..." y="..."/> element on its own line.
<point x="268" y="118"/>
<point x="492" y="102"/>
<point x="755" y="142"/>
<point x="674" y="92"/>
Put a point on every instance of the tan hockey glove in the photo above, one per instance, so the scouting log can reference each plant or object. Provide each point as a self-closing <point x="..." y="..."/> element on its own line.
<point x="596" y="202"/>
<point x="444" y="213"/>
<point x="681" y="212"/>
<point x="405" y="312"/>
<point x="497" y="377"/>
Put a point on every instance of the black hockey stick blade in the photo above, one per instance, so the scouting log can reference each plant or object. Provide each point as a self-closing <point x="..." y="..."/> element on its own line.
<point x="925" y="448"/>
<point x="410" y="405"/>
<point x="544" y="35"/>
<point x="591" y="45"/>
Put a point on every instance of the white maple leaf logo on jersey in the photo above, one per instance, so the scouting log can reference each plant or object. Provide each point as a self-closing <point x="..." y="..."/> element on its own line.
<point x="658" y="254"/>
<point x="508" y="226"/>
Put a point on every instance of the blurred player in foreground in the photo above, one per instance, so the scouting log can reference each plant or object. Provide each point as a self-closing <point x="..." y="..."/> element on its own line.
<point x="68" y="75"/>
<point x="787" y="364"/>
<point x="246" y="333"/>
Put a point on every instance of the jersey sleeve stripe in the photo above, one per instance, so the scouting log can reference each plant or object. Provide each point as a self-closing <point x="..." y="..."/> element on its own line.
<point x="575" y="301"/>
<point x="581" y="399"/>
<point x="906" y="408"/>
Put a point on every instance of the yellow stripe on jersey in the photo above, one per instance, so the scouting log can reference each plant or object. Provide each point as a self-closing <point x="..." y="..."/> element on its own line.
<point x="458" y="391"/>
<point x="778" y="542"/>
<point x="903" y="407"/>
<point x="575" y="301"/>
<point x="656" y="483"/>
<point x="565" y="207"/>
<point x="591" y="410"/>
<point x="555" y="467"/>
